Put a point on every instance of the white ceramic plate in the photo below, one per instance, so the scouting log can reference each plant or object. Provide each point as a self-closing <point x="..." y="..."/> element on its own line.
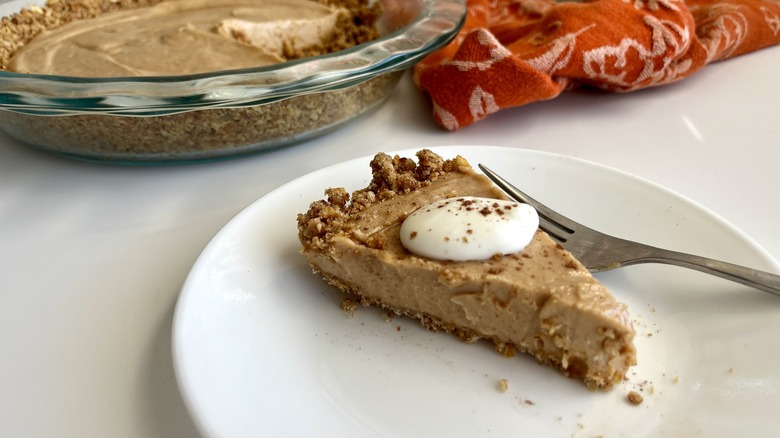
<point x="261" y="347"/>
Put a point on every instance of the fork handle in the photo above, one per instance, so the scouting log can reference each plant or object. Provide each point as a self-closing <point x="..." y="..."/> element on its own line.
<point x="762" y="280"/>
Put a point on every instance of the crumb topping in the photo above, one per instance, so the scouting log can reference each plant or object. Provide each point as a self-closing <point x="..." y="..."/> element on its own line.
<point x="391" y="176"/>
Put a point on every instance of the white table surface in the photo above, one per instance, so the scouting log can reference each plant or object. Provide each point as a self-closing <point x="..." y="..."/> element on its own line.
<point x="92" y="256"/>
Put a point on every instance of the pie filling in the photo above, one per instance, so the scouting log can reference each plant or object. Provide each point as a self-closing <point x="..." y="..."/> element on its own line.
<point x="178" y="37"/>
<point x="539" y="300"/>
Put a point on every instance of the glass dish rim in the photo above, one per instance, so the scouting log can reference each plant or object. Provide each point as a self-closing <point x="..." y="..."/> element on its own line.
<point x="436" y="25"/>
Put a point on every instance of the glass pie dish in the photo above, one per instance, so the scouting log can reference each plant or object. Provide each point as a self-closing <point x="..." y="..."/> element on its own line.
<point x="226" y="113"/>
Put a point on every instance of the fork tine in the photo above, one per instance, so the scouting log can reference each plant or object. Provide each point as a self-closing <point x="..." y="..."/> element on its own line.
<point x="557" y="233"/>
<point x="562" y="223"/>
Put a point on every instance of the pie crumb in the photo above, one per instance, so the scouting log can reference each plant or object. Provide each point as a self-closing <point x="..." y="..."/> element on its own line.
<point x="349" y="305"/>
<point x="503" y="385"/>
<point x="634" y="398"/>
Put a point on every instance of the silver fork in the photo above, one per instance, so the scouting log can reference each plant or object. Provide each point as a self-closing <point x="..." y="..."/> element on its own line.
<point x="602" y="252"/>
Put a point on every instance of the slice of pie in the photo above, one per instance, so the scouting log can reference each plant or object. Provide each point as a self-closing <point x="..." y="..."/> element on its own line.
<point x="540" y="300"/>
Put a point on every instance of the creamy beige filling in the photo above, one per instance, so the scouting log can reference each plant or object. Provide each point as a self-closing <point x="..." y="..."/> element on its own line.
<point x="179" y="37"/>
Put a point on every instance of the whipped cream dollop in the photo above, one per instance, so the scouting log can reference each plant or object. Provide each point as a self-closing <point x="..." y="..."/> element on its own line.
<point x="469" y="228"/>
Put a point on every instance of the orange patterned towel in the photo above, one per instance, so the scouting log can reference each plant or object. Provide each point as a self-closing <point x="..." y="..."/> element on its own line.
<point x="513" y="52"/>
